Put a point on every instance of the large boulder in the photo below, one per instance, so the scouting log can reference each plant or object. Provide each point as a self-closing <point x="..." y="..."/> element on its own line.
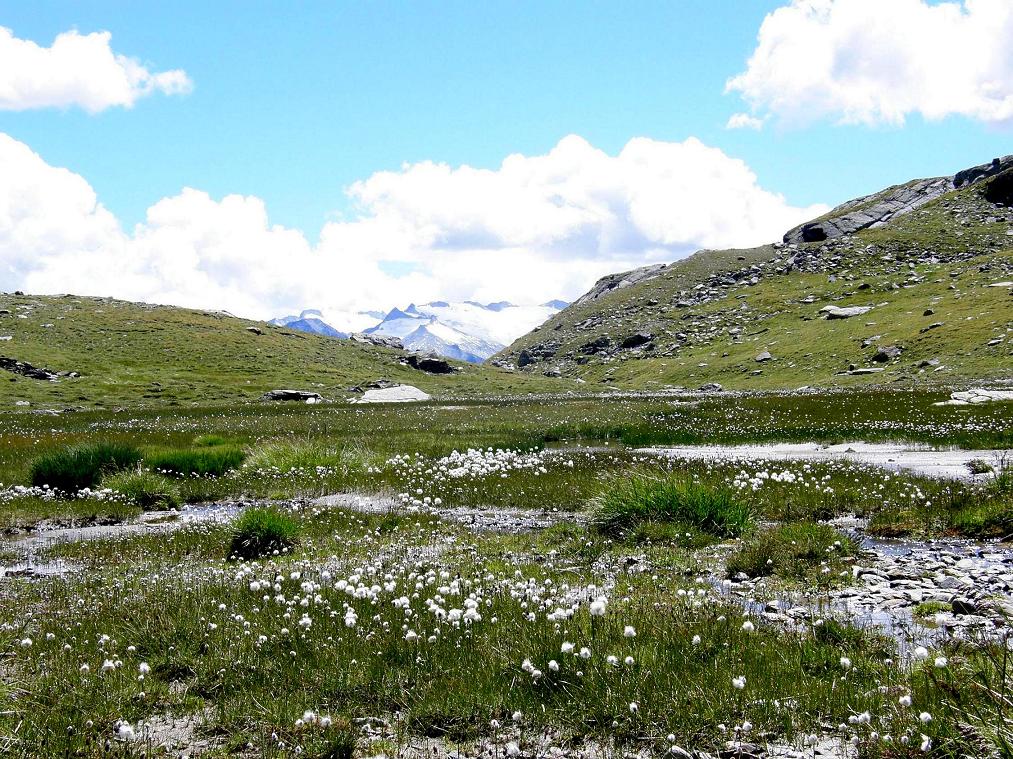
<point x="637" y="340"/>
<point x="305" y="396"/>
<point x="887" y="353"/>
<point x="393" y="394"/>
<point x="430" y="364"/>
<point x="384" y="341"/>
<point x="844" y="312"/>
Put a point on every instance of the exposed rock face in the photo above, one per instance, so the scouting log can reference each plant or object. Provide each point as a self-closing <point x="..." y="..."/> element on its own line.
<point x="870" y="211"/>
<point x="836" y="312"/>
<point x="873" y="210"/>
<point x="384" y="341"/>
<point x="27" y="370"/>
<point x="616" y="281"/>
<point x="430" y="364"/>
<point x="973" y="174"/>
<point x="306" y="396"/>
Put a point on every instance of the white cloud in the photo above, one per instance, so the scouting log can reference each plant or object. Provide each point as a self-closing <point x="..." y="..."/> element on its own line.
<point x="744" y="121"/>
<point x="537" y="227"/>
<point x="77" y="70"/>
<point x="879" y="61"/>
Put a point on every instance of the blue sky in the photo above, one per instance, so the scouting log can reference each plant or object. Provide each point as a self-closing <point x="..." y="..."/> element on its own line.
<point x="294" y="102"/>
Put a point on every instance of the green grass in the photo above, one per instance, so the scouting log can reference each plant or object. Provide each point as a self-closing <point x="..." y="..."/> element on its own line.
<point x="262" y="532"/>
<point x="214" y="646"/>
<point x="82" y="466"/>
<point x="718" y="341"/>
<point x="148" y="490"/>
<point x="981" y="511"/>
<point x="631" y="499"/>
<point x="199" y="461"/>
<point x="796" y="550"/>
<point x="137" y="355"/>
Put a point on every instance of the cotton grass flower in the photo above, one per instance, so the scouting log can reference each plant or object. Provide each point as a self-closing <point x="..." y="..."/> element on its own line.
<point x="739" y="682"/>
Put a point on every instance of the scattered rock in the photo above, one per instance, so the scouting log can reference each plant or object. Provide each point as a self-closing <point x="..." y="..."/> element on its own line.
<point x="711" y="387"/>
<point x="255" y="330"/>
<point x="764" y="356"/>
<point x="934" y="325"/>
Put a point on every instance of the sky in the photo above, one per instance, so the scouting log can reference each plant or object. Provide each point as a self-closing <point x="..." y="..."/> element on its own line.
<point x="267" y="157"/>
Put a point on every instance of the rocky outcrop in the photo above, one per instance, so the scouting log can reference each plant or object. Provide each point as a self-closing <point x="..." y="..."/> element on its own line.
<point x="877" y="209"/>
<point x="430" y="364"/>
<point x="985" y="170"/>
<point x="977" y="395"/>
<point x="870" y="211"/>
<point x="384" y="341"/>
<point x="27" y="370"/>
<point x="617" y="281"/>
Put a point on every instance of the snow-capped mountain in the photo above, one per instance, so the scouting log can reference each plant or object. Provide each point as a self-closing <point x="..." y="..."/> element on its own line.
<point x="331" y="323"/>
<point x="467" y="331"/>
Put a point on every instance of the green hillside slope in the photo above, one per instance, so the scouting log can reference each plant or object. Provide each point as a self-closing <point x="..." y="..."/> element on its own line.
<point x="932" y="276"/>
<point x="135" y="354"/>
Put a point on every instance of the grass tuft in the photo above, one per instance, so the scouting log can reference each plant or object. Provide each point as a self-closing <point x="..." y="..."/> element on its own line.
<point x="205" y="461"/>
<point x="628" y="501"/>
<point x="792" y="550"/>
<point x="148" y="490"/>
<point x="82" y="466"/>
<point x="261" y="532"/>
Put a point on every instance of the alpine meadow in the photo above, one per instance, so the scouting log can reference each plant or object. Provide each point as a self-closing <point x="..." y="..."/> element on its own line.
<point x="677" y="452"/>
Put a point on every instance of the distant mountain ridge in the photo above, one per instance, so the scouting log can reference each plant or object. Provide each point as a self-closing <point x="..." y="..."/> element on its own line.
<point x="467" y="331"/>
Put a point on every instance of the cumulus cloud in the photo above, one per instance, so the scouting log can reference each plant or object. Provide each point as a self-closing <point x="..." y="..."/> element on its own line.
<point x="535" y="228"/>
<point x="874" y="62"/>
<point x="744" y="121"/>
<point x="77" y="70"/>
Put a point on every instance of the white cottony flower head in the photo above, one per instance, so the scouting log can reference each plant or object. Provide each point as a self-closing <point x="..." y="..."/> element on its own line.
<point x="739" y="682"/>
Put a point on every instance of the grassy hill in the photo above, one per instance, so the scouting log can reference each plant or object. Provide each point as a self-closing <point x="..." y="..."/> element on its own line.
<point x="134" y="354"/>
<point x="928" y="275"/>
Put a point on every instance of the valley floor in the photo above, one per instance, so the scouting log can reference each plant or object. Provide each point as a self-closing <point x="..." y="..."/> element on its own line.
<point x="526" y="577"/>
